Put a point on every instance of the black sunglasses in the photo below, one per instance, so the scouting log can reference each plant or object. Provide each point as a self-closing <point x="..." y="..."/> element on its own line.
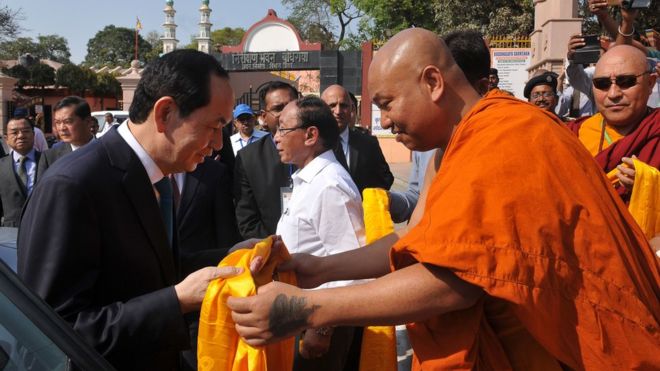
<point x="622" y="81"/>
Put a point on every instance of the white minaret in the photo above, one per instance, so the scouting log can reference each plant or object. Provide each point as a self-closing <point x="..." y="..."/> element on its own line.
<point x="169" y="38"/>
<point x="204" y="38"/>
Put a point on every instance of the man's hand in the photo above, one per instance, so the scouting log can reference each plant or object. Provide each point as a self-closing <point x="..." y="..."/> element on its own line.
<point x="258" y="262"/>
<point x="315" y="345"/>
<point x="575" y="42"/>
<point x="598" y="8"/>
<point x="626" y="173"/>
<point x="277" y="311"/>
<point x="192" y="289"/>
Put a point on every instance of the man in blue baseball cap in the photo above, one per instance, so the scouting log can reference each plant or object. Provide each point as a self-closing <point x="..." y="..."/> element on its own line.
<point x="244" y="120"/>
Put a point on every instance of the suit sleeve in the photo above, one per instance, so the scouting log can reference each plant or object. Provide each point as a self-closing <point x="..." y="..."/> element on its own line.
<point x="249" y="220"/>
<point x="227" y="229"/>
<point x="43" y="163"/>
<point x="383" y="176"/>
<point x="60" y="259"/>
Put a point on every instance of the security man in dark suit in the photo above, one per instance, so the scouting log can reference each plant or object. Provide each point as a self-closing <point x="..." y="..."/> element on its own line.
<point x="73" y="122"/>
<point x="18" y="171"/>
<point x="360" y="153"/>
<point x="98" y="241"/>
<point x="261" y="180"/>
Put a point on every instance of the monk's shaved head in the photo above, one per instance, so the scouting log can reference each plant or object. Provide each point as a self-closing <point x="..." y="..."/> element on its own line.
<point x="622" y="86"/>
<point x="412" y="50"/>
<point x="421" y="91"/>
<point x="626" y="54"/>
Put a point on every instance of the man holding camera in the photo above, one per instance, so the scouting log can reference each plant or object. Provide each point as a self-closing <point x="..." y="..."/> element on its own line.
<point x="624" y="126"/>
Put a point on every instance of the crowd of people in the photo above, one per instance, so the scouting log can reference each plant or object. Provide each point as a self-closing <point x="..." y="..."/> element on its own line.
<point x="519" y="251"/>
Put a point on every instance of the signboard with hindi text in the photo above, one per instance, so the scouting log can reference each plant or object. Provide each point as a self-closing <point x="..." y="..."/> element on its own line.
<point x="376" y="127"/>
<point x="512" y="64"/>
<point x="270" y="61"/>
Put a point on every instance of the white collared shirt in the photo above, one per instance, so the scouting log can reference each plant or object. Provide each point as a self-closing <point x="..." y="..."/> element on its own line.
<point x="343" y="136"/>
<point x="324" y="215"/>
<point x="154" y="172"/>
<point x="238" y="142"/>
<point x="30" y="167"/>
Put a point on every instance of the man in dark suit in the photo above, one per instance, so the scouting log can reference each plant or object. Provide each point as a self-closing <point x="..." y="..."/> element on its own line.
<point x="18" y="171"/>
<point x="107" y="263"/>
<point x="259" y="175"/>
<point x="206" y="225"/>
<point x="357" y="151"/>
<point x="72" y="120"/>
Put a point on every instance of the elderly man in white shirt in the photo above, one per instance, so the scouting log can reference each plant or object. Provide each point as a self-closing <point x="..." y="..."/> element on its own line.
<point x="244" y="121"/>
<point x="323" y="215"/>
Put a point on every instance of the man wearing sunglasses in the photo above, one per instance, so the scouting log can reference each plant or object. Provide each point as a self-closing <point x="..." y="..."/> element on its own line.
<point x="624" y="126"/>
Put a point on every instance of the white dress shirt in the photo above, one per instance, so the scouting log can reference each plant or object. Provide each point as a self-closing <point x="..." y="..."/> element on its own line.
<point x="30" y="167"/>
<point x="154" y="172"/>
<point x="238" y="142"/>
<point x="106" y="128"/>
<point x="324" y="215"/>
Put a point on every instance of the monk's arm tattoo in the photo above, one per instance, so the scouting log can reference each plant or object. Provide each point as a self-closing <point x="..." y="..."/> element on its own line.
<point x="288" y="315"/>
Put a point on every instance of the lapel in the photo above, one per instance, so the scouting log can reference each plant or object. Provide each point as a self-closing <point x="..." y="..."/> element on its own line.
<point x="139" y="190"/>
<point x="37" y="156"/>
<point x="352" y="149"/>
<point x="189" y="190"/>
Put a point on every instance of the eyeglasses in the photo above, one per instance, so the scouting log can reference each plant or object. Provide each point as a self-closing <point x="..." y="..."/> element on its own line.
<point x="622" y="81"/>
<point x="284" y="131"/>
<point x="544" y="94"/>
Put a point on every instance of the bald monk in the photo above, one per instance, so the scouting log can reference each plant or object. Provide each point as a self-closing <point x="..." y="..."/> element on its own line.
<point x="505" y="268"/>
<point x="624" y="126"/>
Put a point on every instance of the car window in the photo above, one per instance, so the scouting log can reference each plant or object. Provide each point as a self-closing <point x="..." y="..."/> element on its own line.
<point x="24" y="346"/>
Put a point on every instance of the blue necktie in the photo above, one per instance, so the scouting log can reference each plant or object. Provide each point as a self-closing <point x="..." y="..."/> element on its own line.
<point x="166" y="203"/>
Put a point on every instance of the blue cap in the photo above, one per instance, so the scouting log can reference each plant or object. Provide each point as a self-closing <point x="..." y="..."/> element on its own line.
<point x="242" y="109"/>
<point x="20" y="112"/>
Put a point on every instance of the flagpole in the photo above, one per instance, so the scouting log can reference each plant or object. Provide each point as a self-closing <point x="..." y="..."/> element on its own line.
<point x="136" y="44"/>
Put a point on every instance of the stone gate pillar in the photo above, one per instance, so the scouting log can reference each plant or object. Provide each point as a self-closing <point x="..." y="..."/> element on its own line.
<point x="554" y="23"/>
<point x="7" y="85"/>
<point x="129" y="83"/>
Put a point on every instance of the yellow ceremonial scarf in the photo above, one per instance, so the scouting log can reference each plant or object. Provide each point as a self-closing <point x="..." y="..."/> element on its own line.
<point x="378" y="352"/>
<point x="595" y="135"/>
<point x="219" y="347"/>
<point x="645" y="198"/>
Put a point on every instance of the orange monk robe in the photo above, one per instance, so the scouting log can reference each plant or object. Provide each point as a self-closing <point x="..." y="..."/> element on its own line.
<point x="520" y="208"/>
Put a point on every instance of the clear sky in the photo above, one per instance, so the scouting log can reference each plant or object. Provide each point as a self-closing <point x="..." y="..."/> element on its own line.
<point x="79" y="20"/>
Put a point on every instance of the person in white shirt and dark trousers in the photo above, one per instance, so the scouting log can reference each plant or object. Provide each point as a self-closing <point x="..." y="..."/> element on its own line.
<point x="323" y="215"/>
<point x="244" y="120"/>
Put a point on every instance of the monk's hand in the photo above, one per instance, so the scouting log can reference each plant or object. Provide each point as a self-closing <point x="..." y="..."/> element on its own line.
<point x="278" y="311"/>
<point x="575" y="42"/>
<point x="192" y="289"/>
<point x="626" y="173"/>
<point x="308" y="269"/>
<point x="315" y="342"/>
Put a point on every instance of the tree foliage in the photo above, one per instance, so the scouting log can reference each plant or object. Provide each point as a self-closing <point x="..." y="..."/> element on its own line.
<point x="35" y="74"/>
<point x="77" y="79"/>
<point x="324" y="21"/>
<point x="115" y="46"/>
<point x="106" y="86"/>
<point x="221" y="37"/>
<point x="9" y="27"/>
<point x="53" y="47"/>
<point x="153" y="38"/>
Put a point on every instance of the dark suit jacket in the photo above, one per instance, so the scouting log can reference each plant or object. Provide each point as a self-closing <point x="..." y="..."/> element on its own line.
<point x="367" y="167"/>
<point x="258" y="176"/>
<point x="53" y="154"/>
<point x="205" y="218"/>
<point x="12" y="192"/>
<point x="93" y="245"/>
